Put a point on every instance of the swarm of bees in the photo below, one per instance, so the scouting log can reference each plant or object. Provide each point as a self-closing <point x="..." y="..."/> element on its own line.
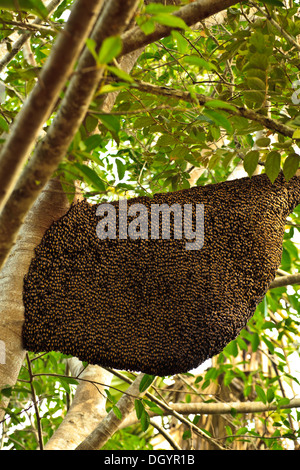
<point x="152" y="305"/>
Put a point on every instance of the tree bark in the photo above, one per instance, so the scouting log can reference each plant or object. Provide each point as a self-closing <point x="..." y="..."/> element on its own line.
<point x="51" y="204"/>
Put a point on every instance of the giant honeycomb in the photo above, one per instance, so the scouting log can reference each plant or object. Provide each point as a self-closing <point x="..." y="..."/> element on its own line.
<point x="152" y="305"/>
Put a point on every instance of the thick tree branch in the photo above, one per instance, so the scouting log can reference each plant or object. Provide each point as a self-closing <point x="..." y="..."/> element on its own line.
<point x="111" y="423"/>
<point x="44" y="95"/>
<point x="113" y="21"/>
<point x="86" y="411"/>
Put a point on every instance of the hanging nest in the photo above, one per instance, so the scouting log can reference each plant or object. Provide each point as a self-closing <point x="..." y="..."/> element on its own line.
<point x="152" y="305"/>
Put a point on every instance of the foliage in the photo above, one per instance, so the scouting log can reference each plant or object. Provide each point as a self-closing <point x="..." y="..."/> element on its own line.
<point x="155" y="141"/>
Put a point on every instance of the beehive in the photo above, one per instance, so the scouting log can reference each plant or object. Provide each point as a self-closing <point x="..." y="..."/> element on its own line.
<point x="152" y="305"/>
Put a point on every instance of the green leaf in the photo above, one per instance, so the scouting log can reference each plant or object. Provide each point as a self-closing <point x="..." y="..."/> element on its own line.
<point x="186" y="434"/>
<point x="263" y="142"/>
<point x="110" y="49"/>
<point x="242" y="430"/>
<point x="296" y="134"/>
<point x="91" y="45"/>
<point x="153" y="407"/>
<point x="256" y="83"/>
<point x="219" y="119"/>
<point x="254" y="99"/>
<point x="165" y="140"/>
<point x="232" y="348"/>
<point x="6" y="391"/>
<point x="65" y="385"/>
<point x="91" y="123"/>
<point x="291" y="165"/>
<point x="269" y="345"/>
<point x="110" y="397"/>
<point x="156" y="8"/>
<point x="260" y="393"/>
<point x="251" y="161"/>
<point x="270" y="395"/>
<point x="182" y="43"/>
<point x="272" y="165"/>
<point x="179" y="152"/>
<point x="121" y="168"/>
<point x="3" y="124"/>
<point x="148" y="27"/>
<point x="283" y="401"/>
<point x="275" y="3"/>
<point x="146" y="382"/>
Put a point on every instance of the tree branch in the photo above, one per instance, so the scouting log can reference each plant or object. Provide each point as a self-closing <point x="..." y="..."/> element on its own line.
<point x="227" y="408"/>
<point x="202" y="100"/>
<point x="111" y="423"/>
<point x="170" y="411"/>
<point x="24" y="37"/>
